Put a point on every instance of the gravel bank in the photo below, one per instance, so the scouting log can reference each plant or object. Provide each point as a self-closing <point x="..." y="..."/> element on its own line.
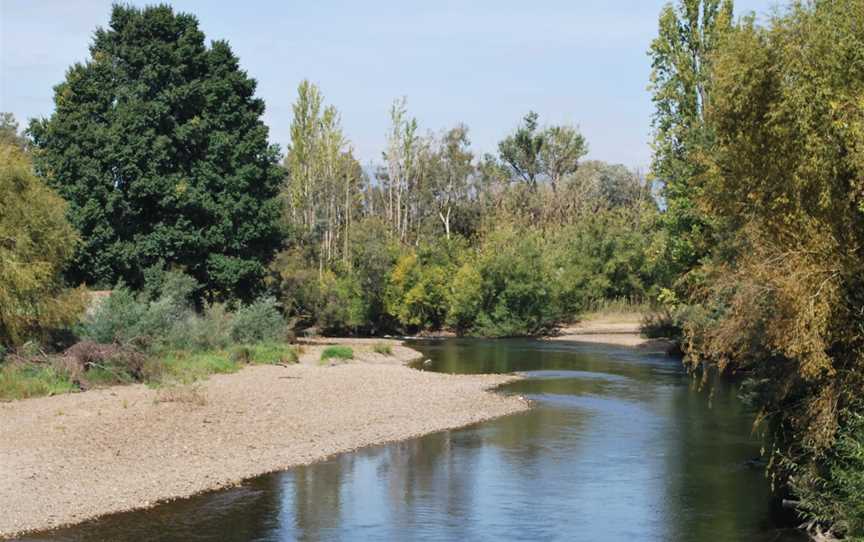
<point x="613" y="332"/>
<point x="70" y="458"/>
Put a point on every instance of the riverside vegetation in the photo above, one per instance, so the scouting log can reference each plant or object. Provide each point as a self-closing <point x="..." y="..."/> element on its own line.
<point x="154" y="177"/>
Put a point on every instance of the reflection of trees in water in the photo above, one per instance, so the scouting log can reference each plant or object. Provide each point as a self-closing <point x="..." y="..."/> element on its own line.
<point x="431" y="469"/>
<point x="240" y="513"/>
<point x="715" y="495"/>
<point x="318" y="497"/>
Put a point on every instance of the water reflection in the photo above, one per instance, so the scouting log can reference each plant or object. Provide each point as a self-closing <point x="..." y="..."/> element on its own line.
<point x="621" y="446"/>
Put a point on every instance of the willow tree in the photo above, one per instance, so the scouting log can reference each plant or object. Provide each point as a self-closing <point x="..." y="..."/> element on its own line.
<point x="784" y="177"/>
<point x="36" y="242"/>
<point x="158" y="145"/>
<point x="681" y="60"/>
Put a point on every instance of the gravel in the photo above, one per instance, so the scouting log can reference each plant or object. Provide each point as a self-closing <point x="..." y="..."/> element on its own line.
<point x="70" y="458"/>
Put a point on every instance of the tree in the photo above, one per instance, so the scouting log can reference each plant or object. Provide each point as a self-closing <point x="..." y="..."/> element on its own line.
<point x="36" y="241"/>
<point x="782" y="292"/>
<point x="9" y="131"/>
<point x="681" y="61"/>
<point x="157" y="143"/>
<point x="563" y="147"/>
<point x="521" y="151"/>
<point x="450" y="186"/>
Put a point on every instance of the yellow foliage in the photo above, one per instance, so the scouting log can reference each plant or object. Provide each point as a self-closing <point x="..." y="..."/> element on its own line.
<point x="35" y="242"/>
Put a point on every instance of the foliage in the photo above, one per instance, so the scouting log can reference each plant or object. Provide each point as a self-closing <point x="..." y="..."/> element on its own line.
<point x="383" y="349"/>
<point x="780" y="296"/>
<point x="260" y="321"/>
<point x="158" y="146"/>
<point x="682" y="58"/>
<point x="36" y="242"/>
<point x="607" y="255"/>
<point x="337" y="352"/>
<point x="24" y="380"/>
<point x="418" y="286"/>
<point x="510" y="287"/>
<point x="264" y="353"/>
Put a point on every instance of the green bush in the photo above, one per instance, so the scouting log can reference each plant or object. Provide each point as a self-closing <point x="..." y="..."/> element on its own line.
<point x="382" y="348"/>
<point x="24" y="380"/>
<point x="260" y="321"/>
<point x="208" y="331"/>
<point x="507" y="289"/>
<point x="116" y="318"/>
<point x="337" y="352"/>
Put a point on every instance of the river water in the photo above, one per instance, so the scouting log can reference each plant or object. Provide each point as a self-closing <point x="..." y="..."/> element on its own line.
<point x="621" y="445"/>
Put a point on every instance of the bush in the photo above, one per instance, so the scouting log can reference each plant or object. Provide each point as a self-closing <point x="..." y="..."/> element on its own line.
<point x="88" y="362"/>
<point x="507" y="290"/>
<point x="21" y="380"/>
<point x="382" y="348"/>
<point x="147" y="320"/>
<point x="208" y="331"/>
<point x="337" y="352"/>
<point x="260" y="321"/>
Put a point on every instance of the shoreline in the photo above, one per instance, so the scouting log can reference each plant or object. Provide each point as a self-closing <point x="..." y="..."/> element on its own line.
<point x="71" y="458"/>
<point x="610" y="331"/>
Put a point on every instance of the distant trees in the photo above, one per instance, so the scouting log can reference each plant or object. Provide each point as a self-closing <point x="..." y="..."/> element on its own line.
<point x="532" y="154"/>
<point x="157" y="144"/>
<point x="36" y="242"/>
<point x="323" y="180"/>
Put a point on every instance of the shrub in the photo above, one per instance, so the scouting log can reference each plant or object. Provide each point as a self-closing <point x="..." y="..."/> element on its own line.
<point x="208" y="331"/>
<point x="260" y="321"/>
<point x="382" y="348"/>
<point x="337" y="352"/>
<point x="21" y="380"/>
<point x="36" y="242"/>
<point x="90" y="362"/>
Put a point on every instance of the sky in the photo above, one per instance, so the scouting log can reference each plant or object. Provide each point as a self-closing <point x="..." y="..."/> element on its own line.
<point x="482" y="63"/>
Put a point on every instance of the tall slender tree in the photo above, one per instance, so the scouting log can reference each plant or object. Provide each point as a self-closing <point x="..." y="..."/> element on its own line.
<point x="681" y="57"/>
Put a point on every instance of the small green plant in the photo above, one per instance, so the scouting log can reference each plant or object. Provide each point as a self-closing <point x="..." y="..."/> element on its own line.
<point x="337" y="352"/>
<point x="382" y="348"/>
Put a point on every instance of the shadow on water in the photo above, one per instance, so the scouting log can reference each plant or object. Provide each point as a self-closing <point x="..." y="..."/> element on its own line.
<point x="621" y="446"/>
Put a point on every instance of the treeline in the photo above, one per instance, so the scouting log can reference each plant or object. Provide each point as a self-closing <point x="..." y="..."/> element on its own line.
<point x="760" y="145"/>
<point x="158" y="151"/>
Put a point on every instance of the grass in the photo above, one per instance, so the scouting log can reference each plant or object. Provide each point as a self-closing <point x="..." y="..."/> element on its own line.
<point x="265" y="353"/>
<point x="382" y="348"/>
<point x="170" y="369"/>
<point x="337" y="352"/>
<point x="622" y="310"/>
<point x="24" y="380"/>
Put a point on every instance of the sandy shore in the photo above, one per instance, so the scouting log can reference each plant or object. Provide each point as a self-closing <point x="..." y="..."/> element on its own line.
<point x="618" y="331"/>
<point x="74" y="457"/>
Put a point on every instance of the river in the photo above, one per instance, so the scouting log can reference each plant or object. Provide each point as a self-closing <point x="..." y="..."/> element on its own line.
<point x="621" y="445"/>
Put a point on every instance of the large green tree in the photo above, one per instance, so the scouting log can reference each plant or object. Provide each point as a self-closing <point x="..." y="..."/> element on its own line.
<point x="157" y="144"/>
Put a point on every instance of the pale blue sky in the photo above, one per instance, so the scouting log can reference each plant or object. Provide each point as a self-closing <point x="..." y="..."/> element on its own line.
<point x="484" y="63"/>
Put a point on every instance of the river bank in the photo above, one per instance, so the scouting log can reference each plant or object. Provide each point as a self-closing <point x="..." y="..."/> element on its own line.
<point x="617" y="330"/>
<point x="69" y="458"/>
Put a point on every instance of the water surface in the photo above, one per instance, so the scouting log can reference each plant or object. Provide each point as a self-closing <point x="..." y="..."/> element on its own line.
<point x="621" y="446"/>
